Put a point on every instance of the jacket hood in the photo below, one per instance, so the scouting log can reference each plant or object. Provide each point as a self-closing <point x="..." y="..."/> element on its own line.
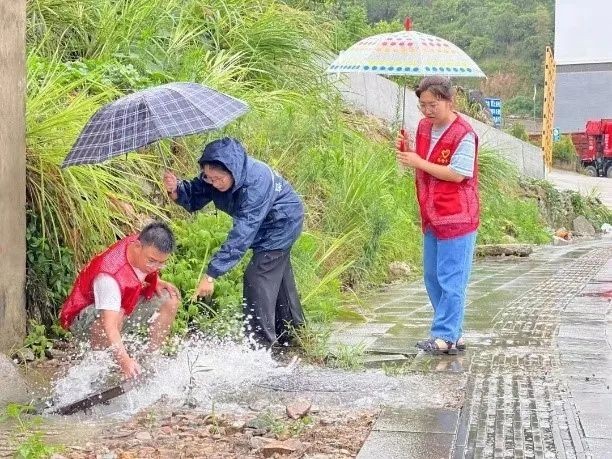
<point x="231" y="154"/>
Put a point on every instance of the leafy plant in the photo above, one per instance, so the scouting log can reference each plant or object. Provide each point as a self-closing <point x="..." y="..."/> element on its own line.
<point x="28" y="438"/>
<point x="518" y="130"/>
<point x="50" y="272"/>
<point x="280" y="427"/>
<point x="313" y="339"/>
<point x="197" y="240"/>
<point x="37" y="339"/>
<point x="347" y="357"/>
<point x="564" y="150"/>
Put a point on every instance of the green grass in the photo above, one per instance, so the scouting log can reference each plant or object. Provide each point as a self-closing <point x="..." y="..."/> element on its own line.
<point x="361" y="214"/>
<point x="27" y="435"/>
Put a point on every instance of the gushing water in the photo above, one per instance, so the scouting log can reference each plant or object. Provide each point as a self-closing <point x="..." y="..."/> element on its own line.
<point x="232" y="377"/>
<point x="202" y="372"/>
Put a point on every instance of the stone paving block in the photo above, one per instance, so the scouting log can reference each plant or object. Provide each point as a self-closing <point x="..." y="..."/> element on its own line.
<point x="593" y="403"/>
<point x="378" y="360"/>
<point x="588" y="384"/>
<point x="595" y="412"/>
<point x="425" y="363"/>
<point x="371" y="328"/>
<point x="401" y="345"/>
<point x="400" y="308"/>
<point x="596" y="426"/>
<point x="594" y="361"/>
<point x="586" y="345"/>
<point x="350" y="340"/>
<point x="435" y="420"/>
<point x="406" y="445"/>
<point x="600" y="448"/>
<point x="533" y="331"/>
<point x="578" y="369"/>
<point x="416" y="319"/>
<point x="375" y="350"/>
<point x="581" y="332"/>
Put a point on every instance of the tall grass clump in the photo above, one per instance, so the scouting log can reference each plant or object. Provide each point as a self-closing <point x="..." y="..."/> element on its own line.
<point x="361" y="211"/>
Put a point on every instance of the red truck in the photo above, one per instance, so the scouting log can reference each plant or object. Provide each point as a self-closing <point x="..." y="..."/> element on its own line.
<point x="594" y="148"/>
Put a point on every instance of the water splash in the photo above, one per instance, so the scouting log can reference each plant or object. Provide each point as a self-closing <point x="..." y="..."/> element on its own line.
<point x="203" y="371"/>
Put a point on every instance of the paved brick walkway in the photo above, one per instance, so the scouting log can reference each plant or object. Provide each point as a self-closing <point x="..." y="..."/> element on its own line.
<point x="538" y="331"/>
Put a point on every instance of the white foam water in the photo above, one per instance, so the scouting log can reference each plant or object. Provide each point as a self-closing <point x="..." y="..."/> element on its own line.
<point x="203" y="371"/>
<point x="214" y="373"/>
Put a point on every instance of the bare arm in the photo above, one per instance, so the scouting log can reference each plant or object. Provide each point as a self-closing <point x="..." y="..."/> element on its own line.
<point x="412" y="159"/>
<point x="111" y="324"/>
<point x="438" y="171"/>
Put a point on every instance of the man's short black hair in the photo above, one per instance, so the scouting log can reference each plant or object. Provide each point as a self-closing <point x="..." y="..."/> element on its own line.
<point x="158" y="235"/>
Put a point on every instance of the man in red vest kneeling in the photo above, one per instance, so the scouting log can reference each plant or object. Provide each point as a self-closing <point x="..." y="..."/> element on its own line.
<point x="121" y="288"/>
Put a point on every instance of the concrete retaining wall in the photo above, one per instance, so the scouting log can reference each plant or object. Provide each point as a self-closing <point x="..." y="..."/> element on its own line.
<point x="382" y="98"/>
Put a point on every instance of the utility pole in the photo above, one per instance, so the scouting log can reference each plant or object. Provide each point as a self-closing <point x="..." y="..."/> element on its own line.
<point x="12" y="173"/>
<point x="548" y="112"/>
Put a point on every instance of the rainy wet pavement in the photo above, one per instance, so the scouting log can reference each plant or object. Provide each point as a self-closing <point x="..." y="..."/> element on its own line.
<point x="538" y="366"/>
<point x="534" y="382"/>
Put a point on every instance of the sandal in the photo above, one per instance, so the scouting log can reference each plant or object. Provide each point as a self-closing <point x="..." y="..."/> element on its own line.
<point x="460" y="344"/>
<point x="437" y="346"/>
<point x="422" y="344"/>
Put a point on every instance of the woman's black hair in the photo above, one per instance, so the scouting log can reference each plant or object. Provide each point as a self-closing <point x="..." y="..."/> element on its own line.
<point x="439" y="86"/>
<point x="216" y="165"/>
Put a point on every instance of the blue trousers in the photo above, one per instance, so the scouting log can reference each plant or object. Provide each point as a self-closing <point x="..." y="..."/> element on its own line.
<point x="447" y="265"/>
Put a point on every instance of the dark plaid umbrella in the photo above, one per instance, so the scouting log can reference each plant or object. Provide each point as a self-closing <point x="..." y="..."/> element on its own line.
<point x="138" y="119"/>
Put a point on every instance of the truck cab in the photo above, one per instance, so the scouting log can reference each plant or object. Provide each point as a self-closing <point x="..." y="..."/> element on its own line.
<point x="594" y="148"/>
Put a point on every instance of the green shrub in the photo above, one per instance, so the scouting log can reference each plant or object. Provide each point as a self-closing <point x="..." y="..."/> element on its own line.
<point x="564" y="150"/>
<point x="522" y="106"/>
<point x="518" y="130"/>
<point x="50" y="271"/>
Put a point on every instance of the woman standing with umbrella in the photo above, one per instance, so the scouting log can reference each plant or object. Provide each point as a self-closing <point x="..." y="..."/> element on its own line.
<point x="446" y="171"/>
<point x="267" y="217"/>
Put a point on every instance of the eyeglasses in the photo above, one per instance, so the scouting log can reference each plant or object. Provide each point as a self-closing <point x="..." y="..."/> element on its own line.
<point x="155" y="264"/>
<point x="212" y="180"/>
<point x="433" y="106"/>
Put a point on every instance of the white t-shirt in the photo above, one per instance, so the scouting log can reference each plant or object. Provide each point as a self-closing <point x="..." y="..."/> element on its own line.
<point x="462" y="161"/>
<point x="107" y="294"/>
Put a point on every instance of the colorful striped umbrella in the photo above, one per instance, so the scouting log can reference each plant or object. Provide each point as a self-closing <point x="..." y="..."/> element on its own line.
<point x="407" y="53"/>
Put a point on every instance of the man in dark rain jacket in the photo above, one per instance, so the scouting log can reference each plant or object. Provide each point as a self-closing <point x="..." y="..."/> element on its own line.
<point x="267" y="217"/>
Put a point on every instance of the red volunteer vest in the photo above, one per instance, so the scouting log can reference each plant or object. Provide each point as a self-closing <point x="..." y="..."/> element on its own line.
<point x="113" y="262"/>
<point x="448" y="209"/>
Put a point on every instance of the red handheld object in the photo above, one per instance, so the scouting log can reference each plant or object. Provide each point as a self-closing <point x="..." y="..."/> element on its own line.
<point x="404" y="141"/>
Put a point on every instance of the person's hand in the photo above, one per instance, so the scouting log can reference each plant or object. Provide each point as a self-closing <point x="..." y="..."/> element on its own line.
<point x="171" y="289"/>
<point x="171" y="184"/>
<point x="129" y="367"/>
<point x="401" y="142"/>
<point x="205" y="288"/>
<point x="408" y="158"/>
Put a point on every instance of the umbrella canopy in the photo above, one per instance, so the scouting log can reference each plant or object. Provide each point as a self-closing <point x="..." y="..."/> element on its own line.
<point x="406" y="53"/>
<point x="143" y="117"/>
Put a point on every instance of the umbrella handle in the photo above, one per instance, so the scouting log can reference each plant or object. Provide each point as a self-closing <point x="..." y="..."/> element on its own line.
<point x="404" y="141"/>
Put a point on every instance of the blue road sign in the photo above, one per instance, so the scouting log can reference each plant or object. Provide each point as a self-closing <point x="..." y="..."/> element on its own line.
<point x="495" y="107"/>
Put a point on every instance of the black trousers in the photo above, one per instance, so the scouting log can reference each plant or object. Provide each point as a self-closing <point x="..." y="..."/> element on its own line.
<point x="271" y="297"/>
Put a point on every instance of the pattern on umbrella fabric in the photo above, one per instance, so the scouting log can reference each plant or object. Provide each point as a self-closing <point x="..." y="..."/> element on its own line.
<point x="138" y="119"/>
<point x="406" y="53"/>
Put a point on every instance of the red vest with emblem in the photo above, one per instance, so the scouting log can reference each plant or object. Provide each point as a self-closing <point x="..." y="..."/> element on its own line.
<point x="448" y="209"/>
<point x="113" y="262"/>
